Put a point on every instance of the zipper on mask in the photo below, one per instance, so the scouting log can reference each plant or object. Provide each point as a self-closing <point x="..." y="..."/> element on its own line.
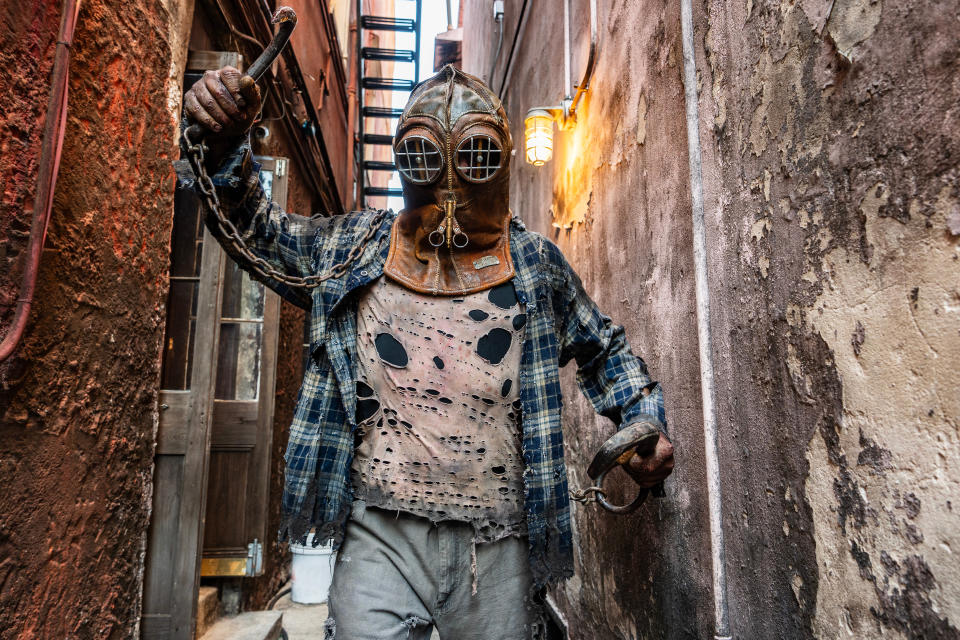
<point x="450" y="204"/>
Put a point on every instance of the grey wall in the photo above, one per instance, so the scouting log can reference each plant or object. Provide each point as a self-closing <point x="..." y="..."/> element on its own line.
<point x="830" y="141"/>
<point x="615" y="199"/>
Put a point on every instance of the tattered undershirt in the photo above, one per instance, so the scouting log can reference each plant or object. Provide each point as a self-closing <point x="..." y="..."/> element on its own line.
<point x="438" y="406"/>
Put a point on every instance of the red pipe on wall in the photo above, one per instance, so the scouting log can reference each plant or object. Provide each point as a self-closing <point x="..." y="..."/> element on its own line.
<point x="52" y="145"/>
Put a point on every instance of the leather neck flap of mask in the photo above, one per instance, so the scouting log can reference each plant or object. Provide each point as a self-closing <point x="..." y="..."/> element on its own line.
<point x="452" y="149"/>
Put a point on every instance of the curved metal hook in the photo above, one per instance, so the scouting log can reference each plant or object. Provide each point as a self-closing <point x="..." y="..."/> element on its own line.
<point x="641" y="436"/>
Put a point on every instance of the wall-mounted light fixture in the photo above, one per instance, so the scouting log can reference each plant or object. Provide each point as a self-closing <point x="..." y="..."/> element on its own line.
<point x="538" y="123"/>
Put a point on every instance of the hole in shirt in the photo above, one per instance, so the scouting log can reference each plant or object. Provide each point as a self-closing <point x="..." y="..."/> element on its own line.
<point x="363" y="389"/>
<point x="503" y="295"/>
<point x="366" y="409"/>
<point x="519" y="321"/>
<point x="438" y="362"/>
<point x="478" y="314"/>
<point x="391" y="351"/>
<point x="493" y="346"/>
<point x="505" y="388"/>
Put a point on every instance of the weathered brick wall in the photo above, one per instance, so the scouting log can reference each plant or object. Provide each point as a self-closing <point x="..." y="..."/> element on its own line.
<point x="78" y="400"/>
<point x="830" y="140"/>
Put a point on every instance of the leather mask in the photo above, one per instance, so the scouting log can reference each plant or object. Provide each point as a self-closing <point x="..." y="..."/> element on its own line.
<point x="452" y="150"/>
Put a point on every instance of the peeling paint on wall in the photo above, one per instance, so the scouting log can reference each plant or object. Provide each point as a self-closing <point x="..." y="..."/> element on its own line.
<point x="888" y="500"/>
<point x="831" y="136"/>
<point x="832" y="104"/>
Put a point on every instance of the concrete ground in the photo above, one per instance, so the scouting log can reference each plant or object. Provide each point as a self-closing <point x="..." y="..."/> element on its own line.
<point x="305" y="621"/>
<point x="302" y="621"/>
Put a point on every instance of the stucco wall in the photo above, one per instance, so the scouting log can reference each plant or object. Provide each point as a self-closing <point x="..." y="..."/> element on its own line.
<point x="830" y="141"/>
<point x="78" y="400"/>
<point x="617" y="190"/>
<point x="832" y="138"/>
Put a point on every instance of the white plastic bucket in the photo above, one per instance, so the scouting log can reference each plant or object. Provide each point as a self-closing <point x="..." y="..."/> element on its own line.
<point x="311" y="572"/>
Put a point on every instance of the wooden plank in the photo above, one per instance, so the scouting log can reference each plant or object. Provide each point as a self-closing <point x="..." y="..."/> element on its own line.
<point x="198" y="60"/>
<point x="161" y="550"/>
<point x="227" y="494"/>
<point x="175" y="407"/>
<point x="193" y="502"/>
<point x="155" y="626"/>
<point x="234" y="425"/>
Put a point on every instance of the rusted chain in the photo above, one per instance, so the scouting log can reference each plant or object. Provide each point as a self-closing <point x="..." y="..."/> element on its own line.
<point x="195" y="154"/>
<point x="588" y="495"/>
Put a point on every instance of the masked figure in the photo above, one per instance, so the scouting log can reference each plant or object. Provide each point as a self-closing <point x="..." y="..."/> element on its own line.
<point x="453" y="153"/>
<point x="427" y="439"/>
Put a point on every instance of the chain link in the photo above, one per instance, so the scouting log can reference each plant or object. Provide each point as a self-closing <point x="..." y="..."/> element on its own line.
<point x="262" y="268"/>
<point x="587" y="495"/>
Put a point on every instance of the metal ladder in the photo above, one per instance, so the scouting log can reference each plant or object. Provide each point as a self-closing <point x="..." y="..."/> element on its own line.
<point x="369" y="83"/>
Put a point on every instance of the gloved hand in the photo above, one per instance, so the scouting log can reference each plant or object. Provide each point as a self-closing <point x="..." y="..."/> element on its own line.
<point x="225" y="102"/>
<point x="650" y="468"/>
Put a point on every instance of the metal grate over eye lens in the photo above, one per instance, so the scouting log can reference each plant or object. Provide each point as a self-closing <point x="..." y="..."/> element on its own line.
<point x="418" y="159"/>
<point x="479" y="158"/>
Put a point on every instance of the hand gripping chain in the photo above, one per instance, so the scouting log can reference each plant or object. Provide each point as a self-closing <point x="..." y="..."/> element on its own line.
<point x="196" y="148"/>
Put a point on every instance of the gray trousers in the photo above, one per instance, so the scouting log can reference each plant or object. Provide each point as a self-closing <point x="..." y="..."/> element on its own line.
<point x="398" y="575"/>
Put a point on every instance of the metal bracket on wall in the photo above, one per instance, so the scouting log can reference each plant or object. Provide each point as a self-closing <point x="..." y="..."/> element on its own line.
<point x="254" y="558"/>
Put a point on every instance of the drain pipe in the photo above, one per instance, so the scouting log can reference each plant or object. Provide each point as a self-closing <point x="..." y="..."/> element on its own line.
<point x="53" y="129"/>
<point x="707" y="379"/>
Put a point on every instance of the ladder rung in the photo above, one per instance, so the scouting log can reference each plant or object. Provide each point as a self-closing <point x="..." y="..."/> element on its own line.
<point x="387" y="84"/>
<point x="377" y="138"/>
<point x="382" y="191"/>
<point x="381" y="112"/>
<point x="378" y="53"/>
<point x="377" y="165"/>
<point x="381" y="23"/>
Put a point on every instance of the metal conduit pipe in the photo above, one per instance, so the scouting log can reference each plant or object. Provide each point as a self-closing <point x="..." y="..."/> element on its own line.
<point x="450" y="26"/>
<point x="521" y="22"/>
<point x="584" y="83"/>
<point x="50" y="148"/>
<point x="707" y="379"/>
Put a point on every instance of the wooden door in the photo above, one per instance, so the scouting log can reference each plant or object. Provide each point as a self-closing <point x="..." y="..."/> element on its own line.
<point x="238" y="488"/>
<point x="217" y="386"/>
<point x="183" y="436"/>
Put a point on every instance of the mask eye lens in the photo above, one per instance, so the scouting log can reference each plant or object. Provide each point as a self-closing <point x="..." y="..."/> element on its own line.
<point x="479" y="157"/>
<point x="418" y="159"/>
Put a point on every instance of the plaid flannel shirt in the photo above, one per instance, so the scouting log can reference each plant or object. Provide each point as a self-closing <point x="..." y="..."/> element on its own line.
<point x="563" y="324"/>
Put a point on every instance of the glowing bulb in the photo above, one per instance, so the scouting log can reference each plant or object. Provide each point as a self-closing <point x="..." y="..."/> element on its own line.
<point x="538" y="134"/>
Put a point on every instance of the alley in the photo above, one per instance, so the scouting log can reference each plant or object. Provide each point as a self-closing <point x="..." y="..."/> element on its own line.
<point x="445" y="278"/>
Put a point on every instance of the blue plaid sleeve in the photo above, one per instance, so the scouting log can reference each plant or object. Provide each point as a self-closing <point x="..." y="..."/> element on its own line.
<point x="614" y="379"/>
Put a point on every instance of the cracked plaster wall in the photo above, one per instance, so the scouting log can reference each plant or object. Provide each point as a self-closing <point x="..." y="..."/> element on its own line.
<point x="831" y="145"/>
<point x="830" y="140"/>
